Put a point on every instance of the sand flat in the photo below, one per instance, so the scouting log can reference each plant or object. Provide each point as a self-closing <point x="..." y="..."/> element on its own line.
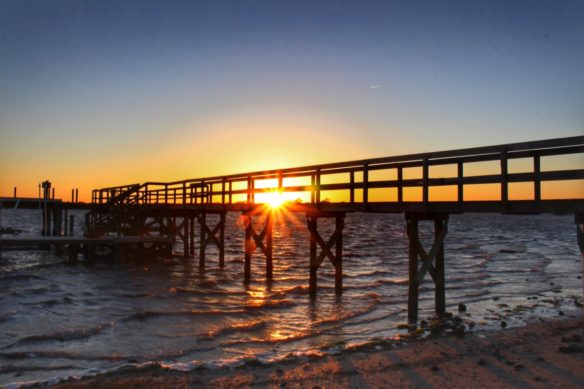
<point x="527" y="356"/>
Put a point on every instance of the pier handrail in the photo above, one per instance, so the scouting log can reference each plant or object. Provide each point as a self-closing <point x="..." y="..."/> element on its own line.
<point x="356" y="181"/>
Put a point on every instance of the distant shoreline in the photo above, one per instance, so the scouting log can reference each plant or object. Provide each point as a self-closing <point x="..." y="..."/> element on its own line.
<point x="538" y="354"/>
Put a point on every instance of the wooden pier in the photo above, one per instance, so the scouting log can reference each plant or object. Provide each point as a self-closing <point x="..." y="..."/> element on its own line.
<point x="87" y="246"/>
<point x="380" y="185"/>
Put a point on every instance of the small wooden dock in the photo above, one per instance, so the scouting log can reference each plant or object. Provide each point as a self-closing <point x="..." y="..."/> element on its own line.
<point x="86" y="245"/>
<point x="182" y="209"/>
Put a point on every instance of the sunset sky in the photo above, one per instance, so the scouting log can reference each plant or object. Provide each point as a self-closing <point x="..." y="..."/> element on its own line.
<point x="102" y="93"/>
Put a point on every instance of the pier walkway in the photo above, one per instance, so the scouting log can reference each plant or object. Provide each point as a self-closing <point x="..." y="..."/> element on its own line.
<point x="517" y="178"/>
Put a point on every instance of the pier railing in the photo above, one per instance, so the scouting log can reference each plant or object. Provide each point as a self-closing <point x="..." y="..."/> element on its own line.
<point x="397" y="179"/>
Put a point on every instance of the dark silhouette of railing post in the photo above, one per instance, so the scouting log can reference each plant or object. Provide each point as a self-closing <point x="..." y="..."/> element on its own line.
<point x="536" y="178"/>
<point x="460" y="181"/>
<point x="400" y="187"/>
<point x="365" y="185"/>
<point x="504" y="181"/>
<point x="230" y="192"/>
<point x="352" y="186"/>
<point x="223" y="191"/>
<point x="317" y="187"/>
<point x="425" y="176"/>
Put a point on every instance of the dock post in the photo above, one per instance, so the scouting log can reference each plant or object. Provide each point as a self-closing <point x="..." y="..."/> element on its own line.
<point x="316" y="241"/>
<point x="57" y="216"/>
<point x="222" y="239"/>
<point x="339" y="225"/>
<point x="261" y="240"/>
<point x="192" y="236"/>
<point x="412" y="231"/>
<point x="212" y="234"/>
<point x="440" y="294"/>
<point x="312" y="226"/>
<point x="203" y="242"/>
<point x="269" y="250"/>
<point x="65" y="221"/>
<point x="73" y="252"/>
<point x="249" y="245"/>
<point x="187" y="236"/>
<point x="431" y="262"/>
<point x="71" y="224"/>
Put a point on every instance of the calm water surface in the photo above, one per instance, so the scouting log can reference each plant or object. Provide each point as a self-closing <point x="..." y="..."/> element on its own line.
<point x="59" y="320"/>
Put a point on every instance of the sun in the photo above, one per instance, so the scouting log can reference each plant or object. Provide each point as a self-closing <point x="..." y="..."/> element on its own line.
<point x="274" y="199"/>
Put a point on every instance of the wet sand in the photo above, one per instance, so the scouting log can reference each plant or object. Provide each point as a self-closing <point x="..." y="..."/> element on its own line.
<point x="544" y="354"/>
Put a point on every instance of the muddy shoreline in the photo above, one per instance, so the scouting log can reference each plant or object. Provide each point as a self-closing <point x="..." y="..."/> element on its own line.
<point x="540" y="354"/>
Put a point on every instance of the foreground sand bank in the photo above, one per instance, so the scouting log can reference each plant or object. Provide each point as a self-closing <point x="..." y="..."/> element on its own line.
<point x="547" y="354"/>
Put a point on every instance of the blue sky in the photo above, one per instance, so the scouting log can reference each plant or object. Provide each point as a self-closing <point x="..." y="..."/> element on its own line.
<point x="161" y="90"/>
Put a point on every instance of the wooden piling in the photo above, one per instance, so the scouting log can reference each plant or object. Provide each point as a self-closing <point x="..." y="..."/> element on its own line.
<point x="340" y="223"/>
<point x="269" y="251"/>
<point x="72" y="251"/>
<point x="412" y="231"/>
<point x="431" y="262"/>
<point x="65" y="221"/>
<point x="316" y="242"/>
<point x="222" y="240"/>
<point x="202" y="244"/>
<point x="192" y="236"/>
<point x="186" y="237"/>
<point x="261" y="240"/>
<point x="312" y="226"/>
<point x="214" y="235"/>
<point x="248" y="249"/>
<point x="439" y="281"/>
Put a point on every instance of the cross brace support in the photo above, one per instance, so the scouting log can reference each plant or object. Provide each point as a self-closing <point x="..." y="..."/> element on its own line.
<point x="261" y="240"/>
<point x="422" y="262"/>
<point x="211" y="234"/>
<point x="326" y="251"/>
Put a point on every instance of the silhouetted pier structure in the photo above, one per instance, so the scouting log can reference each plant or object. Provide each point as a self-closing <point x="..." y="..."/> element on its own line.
<point x="88" y="246"/>
<point x="330" y="191"/>
<point x="55" y="220"/>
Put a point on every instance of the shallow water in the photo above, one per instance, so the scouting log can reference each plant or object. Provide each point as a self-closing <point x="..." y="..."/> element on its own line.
<point x="59" y="320"/>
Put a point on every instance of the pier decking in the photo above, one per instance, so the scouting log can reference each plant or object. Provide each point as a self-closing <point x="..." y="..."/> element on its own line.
<point x="411" y="184"/>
